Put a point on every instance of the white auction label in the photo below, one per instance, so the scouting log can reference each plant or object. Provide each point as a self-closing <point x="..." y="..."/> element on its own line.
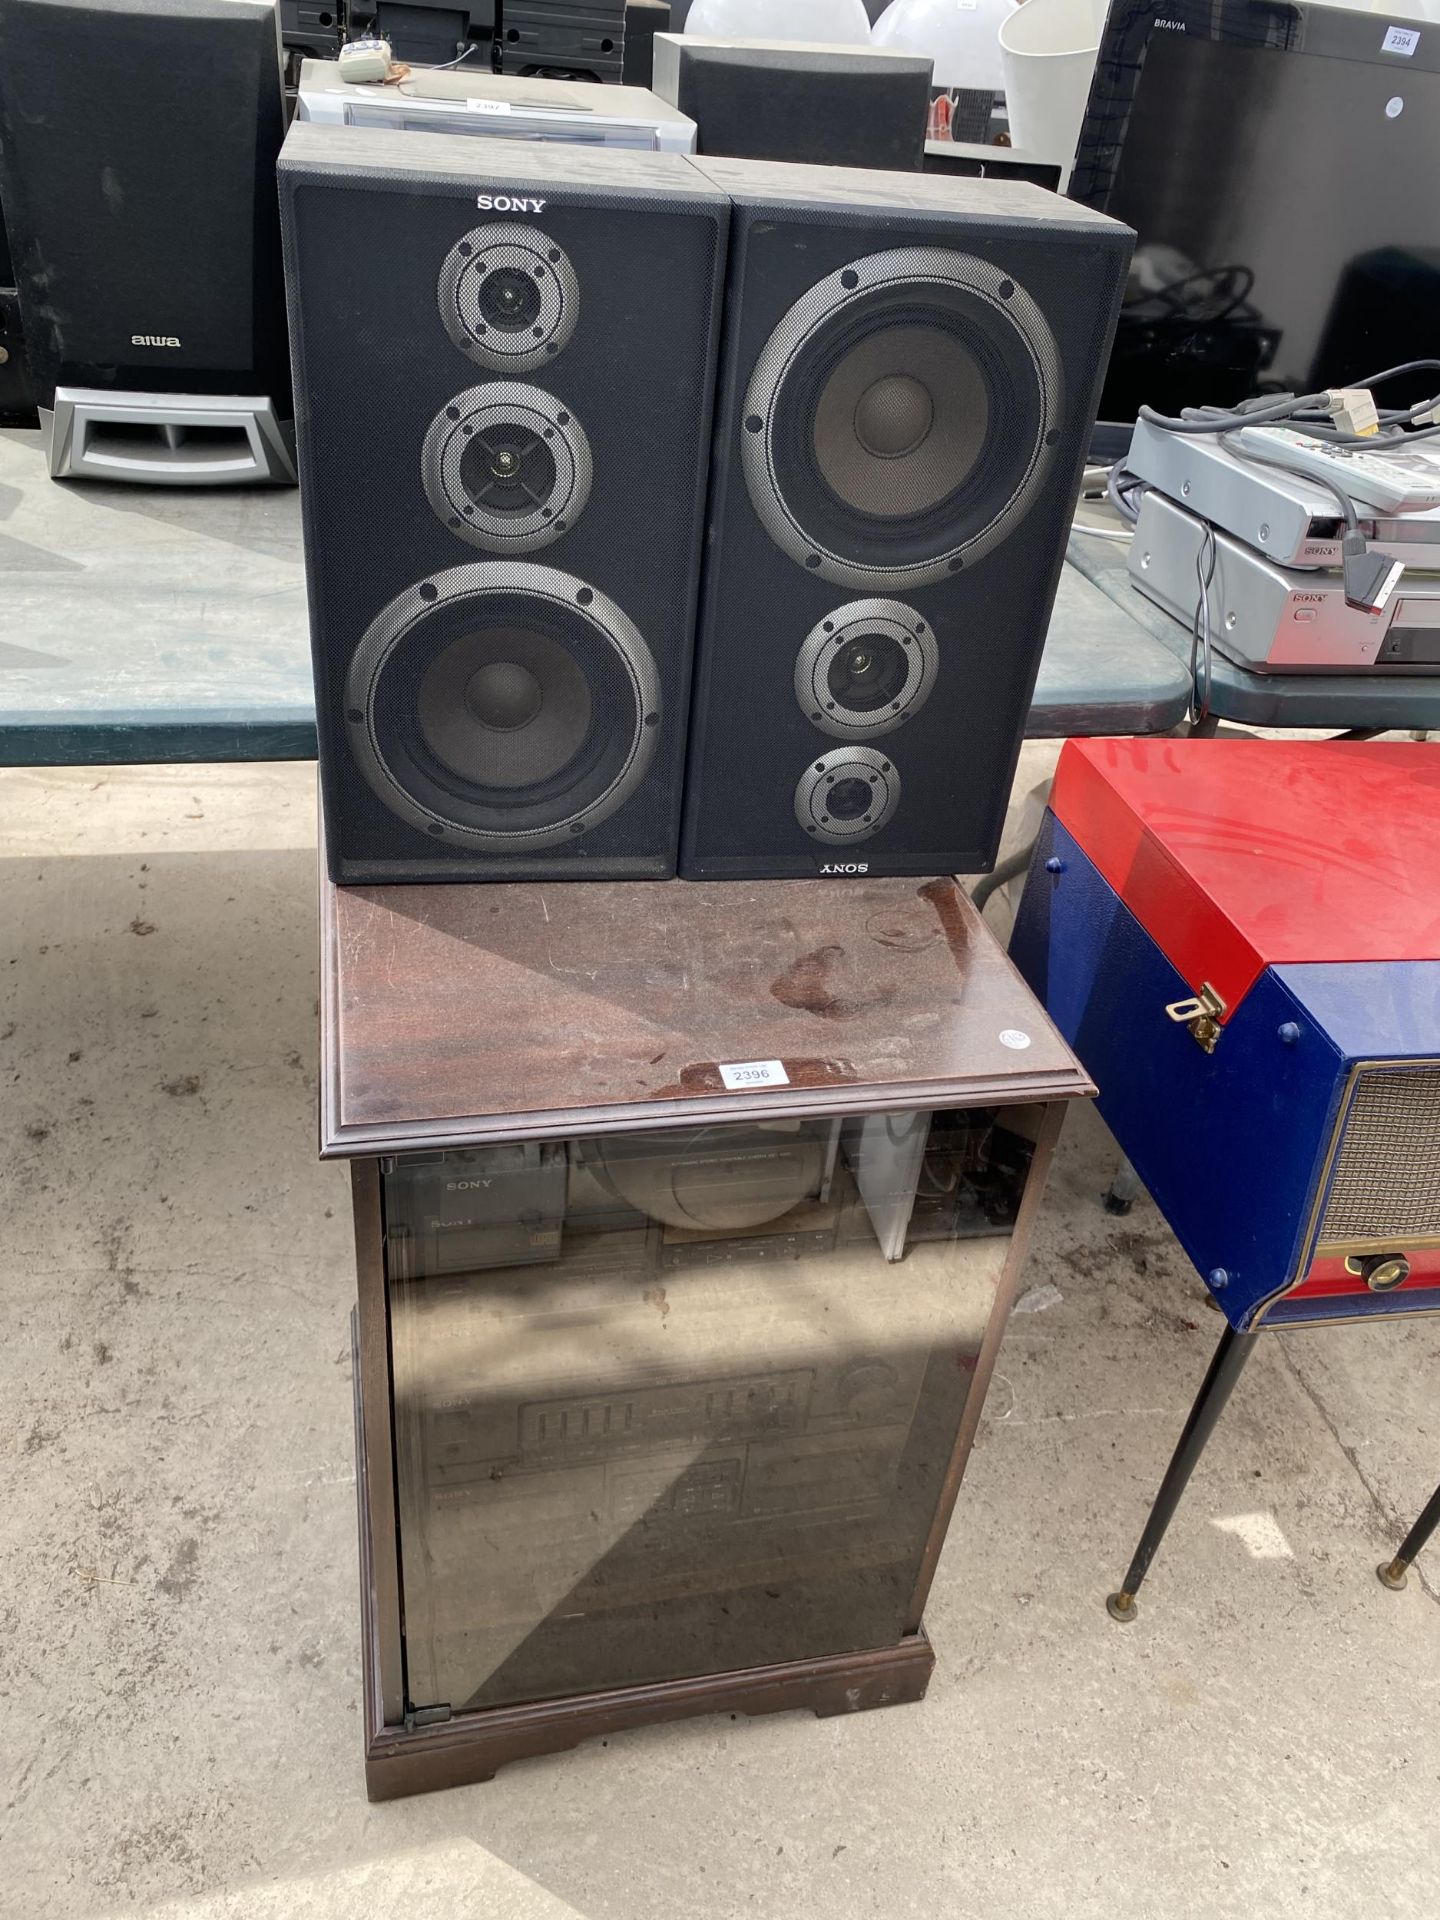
<point x="1400" y="40"/>
<point x="1013" y="1037"/>
<point x="753" y="1073"/>
<point x="488" y="106"/>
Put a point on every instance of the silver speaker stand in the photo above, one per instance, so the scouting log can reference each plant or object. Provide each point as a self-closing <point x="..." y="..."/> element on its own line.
<point x="168" y="439"/>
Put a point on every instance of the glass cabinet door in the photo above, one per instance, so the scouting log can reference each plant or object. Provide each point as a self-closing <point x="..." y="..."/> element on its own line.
<point x="681" y="1402"/>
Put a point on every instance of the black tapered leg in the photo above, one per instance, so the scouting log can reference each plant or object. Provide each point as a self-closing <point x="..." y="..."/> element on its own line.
<point x="1229" y="1357"/>
<point x="1393" y="1572"/>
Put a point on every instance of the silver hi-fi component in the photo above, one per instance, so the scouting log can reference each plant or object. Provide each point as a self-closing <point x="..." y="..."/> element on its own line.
<point x="1274" y="619"/>
<point x="1289" y="519"/>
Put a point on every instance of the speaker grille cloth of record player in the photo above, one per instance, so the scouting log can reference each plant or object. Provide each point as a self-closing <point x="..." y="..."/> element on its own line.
<point x="624" y="1431"/>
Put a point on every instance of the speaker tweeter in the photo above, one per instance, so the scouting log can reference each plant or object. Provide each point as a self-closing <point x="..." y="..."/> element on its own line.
<point x="508" y="297"/>
<point x="846" y="795"/>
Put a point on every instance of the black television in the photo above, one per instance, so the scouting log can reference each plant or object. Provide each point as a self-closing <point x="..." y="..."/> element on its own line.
<point x="1280" y="164"/>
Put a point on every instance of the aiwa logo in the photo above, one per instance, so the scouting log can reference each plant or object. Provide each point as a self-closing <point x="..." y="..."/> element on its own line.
<point x="153" y="340"/>
<point x="507" y="203"/>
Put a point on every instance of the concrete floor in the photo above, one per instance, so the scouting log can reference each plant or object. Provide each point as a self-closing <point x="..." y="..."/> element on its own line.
<point x="179" y="1674"/>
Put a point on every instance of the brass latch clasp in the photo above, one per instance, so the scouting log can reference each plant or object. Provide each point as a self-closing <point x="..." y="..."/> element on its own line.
<point x="1201" y="1015"/>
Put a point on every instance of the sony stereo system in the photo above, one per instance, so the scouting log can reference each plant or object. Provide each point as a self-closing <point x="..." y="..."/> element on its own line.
<point x="505" y="370"/>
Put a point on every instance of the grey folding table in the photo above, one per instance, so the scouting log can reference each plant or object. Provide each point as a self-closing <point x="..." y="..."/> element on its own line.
<point x="147" y="624"/>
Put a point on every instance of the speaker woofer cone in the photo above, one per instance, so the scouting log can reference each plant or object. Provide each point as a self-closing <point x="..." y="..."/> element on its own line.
<point x="899" y="419"/>
<point x="506" y="467"/>
<point x="847" y="795"/>
<point x="508" y="297"/>
<point x="503" y="705"/>
<point x="865" y="668"/>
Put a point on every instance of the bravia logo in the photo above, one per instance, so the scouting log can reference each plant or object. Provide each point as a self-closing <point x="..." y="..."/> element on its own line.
<point x="846" y="866"/>
<point x="507" y="203"/>
<point x="1175" y="26"/>
<point x="153" y="340"/>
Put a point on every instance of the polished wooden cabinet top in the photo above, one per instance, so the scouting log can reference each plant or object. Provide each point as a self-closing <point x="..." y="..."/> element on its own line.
<point x="453" y="1015"/>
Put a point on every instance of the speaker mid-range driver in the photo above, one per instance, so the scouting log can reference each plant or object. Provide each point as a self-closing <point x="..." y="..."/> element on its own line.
<point x="503" y="705"/>
<point x="506" y="467"/>
<point x="865" y="668"/>
<point x="899" y="418"/>
<point x="508" y="297"/>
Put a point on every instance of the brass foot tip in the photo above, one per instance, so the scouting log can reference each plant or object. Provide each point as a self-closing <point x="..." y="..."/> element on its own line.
<point x="1121" y="1607"/>
<point x="1392" y="1574"/>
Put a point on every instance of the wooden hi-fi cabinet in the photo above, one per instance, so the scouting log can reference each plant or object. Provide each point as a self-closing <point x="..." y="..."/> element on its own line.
<point x="688" y="1218"/>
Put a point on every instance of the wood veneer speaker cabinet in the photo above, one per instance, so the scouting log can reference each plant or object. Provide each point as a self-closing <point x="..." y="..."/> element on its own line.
<point x="688" y="1219"/>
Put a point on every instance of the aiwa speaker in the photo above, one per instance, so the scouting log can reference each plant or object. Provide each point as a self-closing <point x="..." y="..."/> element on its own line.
<point x="908" y="380"/>
<point x="504" y="360"/>
<point x="138" y="141"/>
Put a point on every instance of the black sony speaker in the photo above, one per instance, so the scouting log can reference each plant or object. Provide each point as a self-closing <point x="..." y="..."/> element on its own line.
<point x="137" y="166"/>
<point x="908" y="379"/>
<point x="782" y="100"/>
<point x="504" y="360"/>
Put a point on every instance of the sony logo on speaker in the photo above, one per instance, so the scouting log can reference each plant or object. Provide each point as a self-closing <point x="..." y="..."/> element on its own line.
<point x="507" y="203"/>
<point x="464" y="1186"/>
<point x="846" y="866"/>
<point x="153" y="340"/>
